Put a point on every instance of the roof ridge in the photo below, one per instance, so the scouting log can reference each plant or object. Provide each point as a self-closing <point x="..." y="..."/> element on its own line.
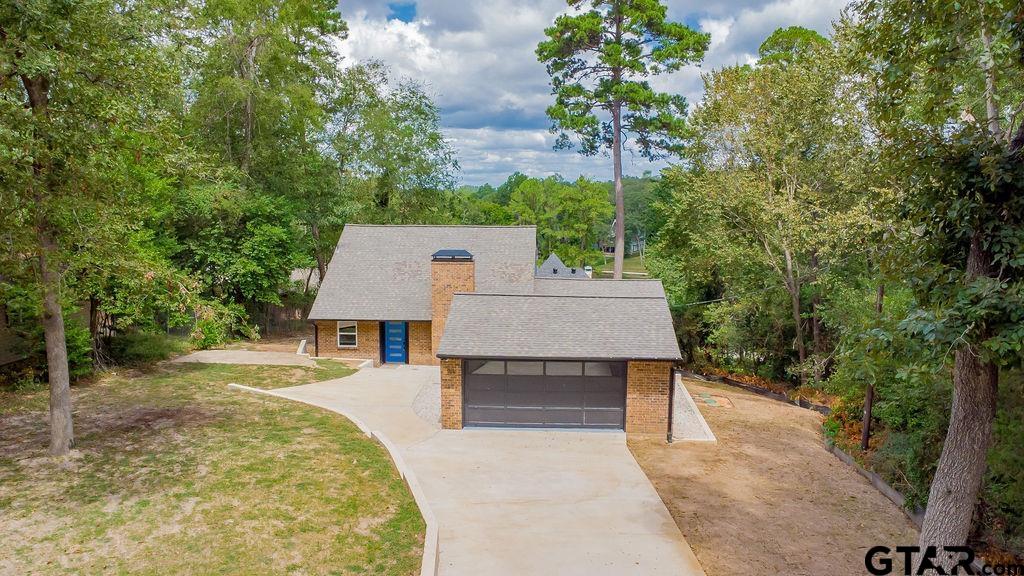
<point x="603" y="279"/>
<point x="534" y="295"/>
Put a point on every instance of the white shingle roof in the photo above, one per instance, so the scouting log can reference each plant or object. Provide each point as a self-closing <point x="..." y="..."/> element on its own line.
<point x="611" y="288"/>
<point x="545" y="326"/>
<point x="553" y="267"/>
<point x="383" y="272"/>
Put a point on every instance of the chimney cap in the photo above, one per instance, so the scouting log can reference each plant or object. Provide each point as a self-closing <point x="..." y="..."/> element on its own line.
<point x="451" y="254"/>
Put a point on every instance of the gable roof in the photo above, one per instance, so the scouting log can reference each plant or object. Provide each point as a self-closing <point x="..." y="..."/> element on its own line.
<point x="383" y="272"/>
<point x="553" y="267"/>
<point x="546" y="326"/>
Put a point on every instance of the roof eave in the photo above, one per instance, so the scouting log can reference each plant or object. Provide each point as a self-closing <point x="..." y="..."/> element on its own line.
<point x="571" y="358"/>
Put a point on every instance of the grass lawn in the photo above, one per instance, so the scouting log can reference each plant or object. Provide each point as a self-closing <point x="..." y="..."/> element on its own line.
<point x="629" y="264"/>
<point x="271" y="377"/>
<point x="173" y="472"/>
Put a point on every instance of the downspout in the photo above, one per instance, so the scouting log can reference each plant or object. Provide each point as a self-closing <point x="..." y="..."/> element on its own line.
<point x="316" y="340"/>
<point x="671" y="400"/>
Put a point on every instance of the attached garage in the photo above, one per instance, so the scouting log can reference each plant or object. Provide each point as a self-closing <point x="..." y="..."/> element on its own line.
<point x="559" y="360"/>
<point x="533" y="393"/>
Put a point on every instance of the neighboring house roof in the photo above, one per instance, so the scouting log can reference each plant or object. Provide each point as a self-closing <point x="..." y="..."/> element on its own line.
<point x="545" y="326"/>
<point x="302" y="274"/>
<point x="553" y="267"/>
<point x="383" y="272"/>
<point x="613" y="288"/>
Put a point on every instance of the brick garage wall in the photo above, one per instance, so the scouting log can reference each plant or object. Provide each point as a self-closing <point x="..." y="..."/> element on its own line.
<point x="447" y="278"/>
<point x="451" y="393"/>
<point x="420" y="345"/>
<point x="647" y="397"/>
<point x="367" y="340"/>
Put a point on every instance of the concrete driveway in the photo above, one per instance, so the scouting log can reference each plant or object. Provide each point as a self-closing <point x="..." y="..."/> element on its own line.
<point x="516" y="502"/>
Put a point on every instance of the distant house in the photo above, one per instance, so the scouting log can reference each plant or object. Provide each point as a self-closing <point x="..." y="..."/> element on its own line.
<point x="308" y="277"/>
<point x="516" y="347"/>
<point x="553" y="267"/>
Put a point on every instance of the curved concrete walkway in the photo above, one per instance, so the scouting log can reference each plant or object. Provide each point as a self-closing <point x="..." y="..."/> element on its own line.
<point x="246" y="357"/>
<point x="516" y="502"/>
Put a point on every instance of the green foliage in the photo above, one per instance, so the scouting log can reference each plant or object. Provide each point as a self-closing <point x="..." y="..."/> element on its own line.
<point x="240" y="246"/>
<point x="78" y="342"/>
<point x="787" y="44"/>
<point x="216" y="323"/>
<point x="1004" y="481"/>
<point x="769" y="203"/>
<point x="599" y="60"/>
<point x="568" y="216"/>
<point x="142" y="348"/>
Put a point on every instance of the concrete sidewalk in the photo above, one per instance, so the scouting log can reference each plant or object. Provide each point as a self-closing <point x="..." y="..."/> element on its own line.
<point x="516" y="502"/>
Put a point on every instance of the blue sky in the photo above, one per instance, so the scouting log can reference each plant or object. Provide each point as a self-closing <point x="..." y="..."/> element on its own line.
<point x="476" y="58"/>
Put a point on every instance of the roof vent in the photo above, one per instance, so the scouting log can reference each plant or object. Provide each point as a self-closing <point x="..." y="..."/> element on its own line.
<point x="452" y="255"/>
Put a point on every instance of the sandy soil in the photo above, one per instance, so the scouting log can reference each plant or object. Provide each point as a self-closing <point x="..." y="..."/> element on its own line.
<point x="767" y="498"/>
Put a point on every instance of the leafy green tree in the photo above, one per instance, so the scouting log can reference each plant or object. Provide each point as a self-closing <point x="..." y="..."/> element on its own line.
<point x="268" y="90"/>
<point x="599" y="60"/>
<point x="535" y="202"/>
<point x="948" y="88"/>
<point x="472" y="209"/>
<point x="78" y="81"/>
<point x="399" y="155"/>
<point x="786" y="44"/>
<point x="241" y="247"/>
<point x="265" y="72"/>
<point x="583" y="213"/>
<point x="769" y="182"/>
<point x="569" y="216"/>
<point x="503" y="193"/>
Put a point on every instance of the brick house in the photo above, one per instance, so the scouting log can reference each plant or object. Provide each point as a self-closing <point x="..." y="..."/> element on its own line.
<point x="514" y="349"/>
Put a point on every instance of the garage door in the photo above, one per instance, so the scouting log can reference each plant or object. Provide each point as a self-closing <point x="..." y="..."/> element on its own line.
<point x="555" y="394"/>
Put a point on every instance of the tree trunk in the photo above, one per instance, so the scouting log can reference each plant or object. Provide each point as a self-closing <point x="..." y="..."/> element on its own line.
<point x="869" y="395"/>
<point x="620" y="202"/>
<point x="793" y="285"/>
<point x="817" y="330"/>
<point x="321" y="260"/>
<point x="99" y="357"/>
<point x="961" y="468"/>
<point x="61" y="431"/>
<point x="248" y="72"/>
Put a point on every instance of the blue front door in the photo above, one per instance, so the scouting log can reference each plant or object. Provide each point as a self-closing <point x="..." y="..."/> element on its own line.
<point x="396" y="350"/>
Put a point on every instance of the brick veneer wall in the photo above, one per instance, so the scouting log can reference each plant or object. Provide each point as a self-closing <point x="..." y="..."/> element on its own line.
<point x="367" y="341"/>
<point x="420" y="344"/>
<point x="446" y="278"/>
<point x="451" y="393"/>
<point x="647" y="397"/>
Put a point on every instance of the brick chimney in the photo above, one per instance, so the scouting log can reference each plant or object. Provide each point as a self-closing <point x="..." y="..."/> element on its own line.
<point x="451" y="271"/>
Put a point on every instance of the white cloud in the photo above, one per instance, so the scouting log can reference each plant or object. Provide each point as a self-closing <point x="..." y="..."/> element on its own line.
<point x="477" y="58"/>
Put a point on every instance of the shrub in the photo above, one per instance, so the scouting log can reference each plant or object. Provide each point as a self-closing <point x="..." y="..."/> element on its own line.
<point x="217" y="322"/>
<point x="137" y="348"/>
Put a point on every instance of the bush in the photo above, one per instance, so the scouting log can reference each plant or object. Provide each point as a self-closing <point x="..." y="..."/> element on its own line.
<point x="79" y="345"/>
<point x="139" y="348"/>
<point x="1003" y="497"/>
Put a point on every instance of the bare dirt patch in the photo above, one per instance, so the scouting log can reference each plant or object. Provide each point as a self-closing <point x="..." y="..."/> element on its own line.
<point x="767" y="498"/>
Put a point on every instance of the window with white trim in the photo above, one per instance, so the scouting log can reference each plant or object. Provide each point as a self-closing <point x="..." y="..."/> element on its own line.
<point x="347" y="335"/>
